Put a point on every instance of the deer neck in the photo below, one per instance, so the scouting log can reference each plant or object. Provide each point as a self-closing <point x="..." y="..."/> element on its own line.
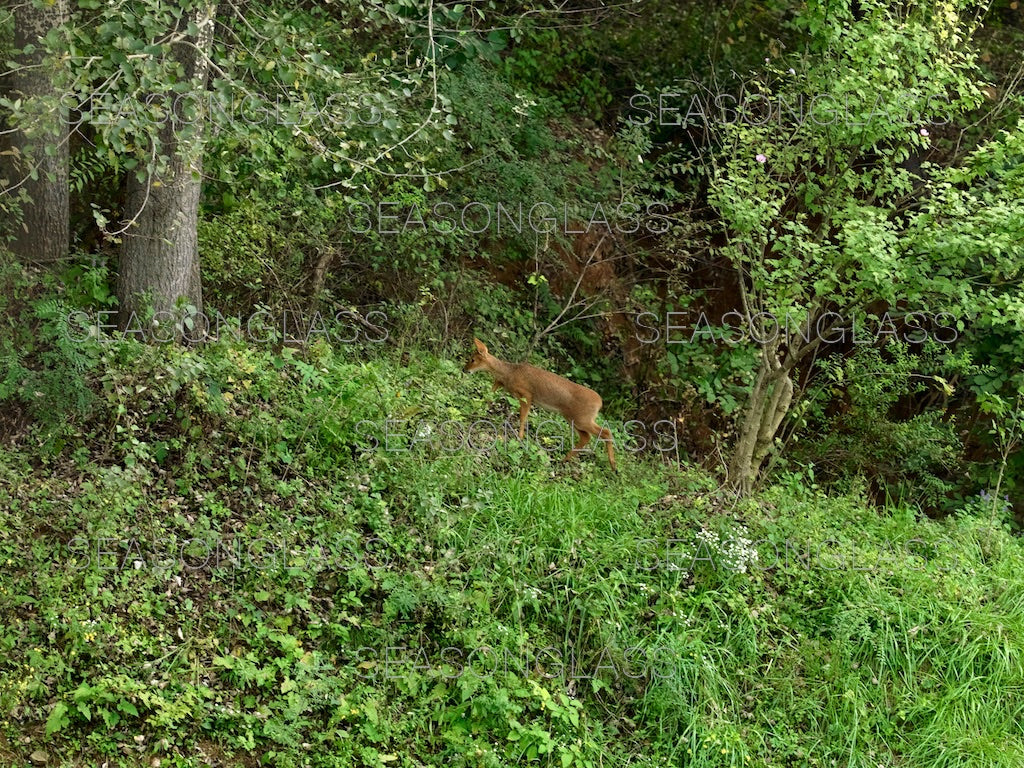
<point x="500" y="369"/>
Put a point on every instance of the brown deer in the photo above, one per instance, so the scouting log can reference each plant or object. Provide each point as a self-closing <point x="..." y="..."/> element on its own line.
<point x="529" y="384"/>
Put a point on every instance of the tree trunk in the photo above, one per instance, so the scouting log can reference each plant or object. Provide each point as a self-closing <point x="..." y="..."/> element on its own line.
<point x="768" y="405"/>
<point x="24" y="164"/>
<point x="160" y="256"/>
<point x="159" y="266"/>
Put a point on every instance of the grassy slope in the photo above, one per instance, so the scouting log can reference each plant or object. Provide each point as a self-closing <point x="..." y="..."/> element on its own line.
<point x="477" y="607"/>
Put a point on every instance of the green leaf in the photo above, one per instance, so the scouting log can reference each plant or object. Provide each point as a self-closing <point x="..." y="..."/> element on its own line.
<point x="128" y="708"/>
<point x="57" y="719"/>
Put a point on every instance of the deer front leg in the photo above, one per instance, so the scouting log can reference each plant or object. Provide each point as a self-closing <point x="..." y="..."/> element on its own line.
<point x="524" y="408"/>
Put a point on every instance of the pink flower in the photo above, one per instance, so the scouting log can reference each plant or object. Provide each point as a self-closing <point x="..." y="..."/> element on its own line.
<point x="760" y="158"/>
<point x="923" y="131"/>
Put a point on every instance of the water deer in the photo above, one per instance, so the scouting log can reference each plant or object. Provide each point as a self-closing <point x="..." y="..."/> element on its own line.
<point x="531" y="385"/>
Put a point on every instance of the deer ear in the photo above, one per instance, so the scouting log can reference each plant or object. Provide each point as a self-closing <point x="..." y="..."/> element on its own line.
<point x="480" y="346"/>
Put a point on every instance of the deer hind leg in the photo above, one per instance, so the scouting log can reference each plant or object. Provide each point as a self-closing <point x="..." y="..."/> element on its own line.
<point x="605" y="435"/>
<point x="601" y="433"/>
<point x="584" y="439"/>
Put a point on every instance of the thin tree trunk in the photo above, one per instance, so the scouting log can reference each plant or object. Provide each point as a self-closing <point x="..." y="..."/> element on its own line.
<point x="775" y="411"/>
<point x="159" y="264"/>
<point x="25" y="165"/>
<point x="771" y="399"/>
<point x="741" y="474"/>
<point x="768" y="405"/>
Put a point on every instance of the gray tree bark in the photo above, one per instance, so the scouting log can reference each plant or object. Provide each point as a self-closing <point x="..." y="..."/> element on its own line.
<point x="25" y="165"/>
<point x="159" y="265"/>
<point x="769" y="402"/>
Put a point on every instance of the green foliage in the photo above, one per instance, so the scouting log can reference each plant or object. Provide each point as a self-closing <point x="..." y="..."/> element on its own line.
<point x="44" y="353"/>
<point x="561" y="62"/>
<point x="824" y="211"/>
<point x="246" y="562"/>
<point x="706" y="41"/>
<point x="861" y="438"/>
<point x="1006" y="431"/>
<point x="816" y="221"/>
<point x="719" y="371"/>
<point x="252" y="553"/>
<point x="240" y="243"/>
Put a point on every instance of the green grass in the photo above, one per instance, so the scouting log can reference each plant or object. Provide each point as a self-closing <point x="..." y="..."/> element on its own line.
<point x="465" y="607"/>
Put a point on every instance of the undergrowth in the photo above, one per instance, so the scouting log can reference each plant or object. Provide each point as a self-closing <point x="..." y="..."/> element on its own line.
<point x="245" y="554"/>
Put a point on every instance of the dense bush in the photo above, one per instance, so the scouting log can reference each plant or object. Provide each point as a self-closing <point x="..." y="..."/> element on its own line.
<point x="264" y="554"/>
